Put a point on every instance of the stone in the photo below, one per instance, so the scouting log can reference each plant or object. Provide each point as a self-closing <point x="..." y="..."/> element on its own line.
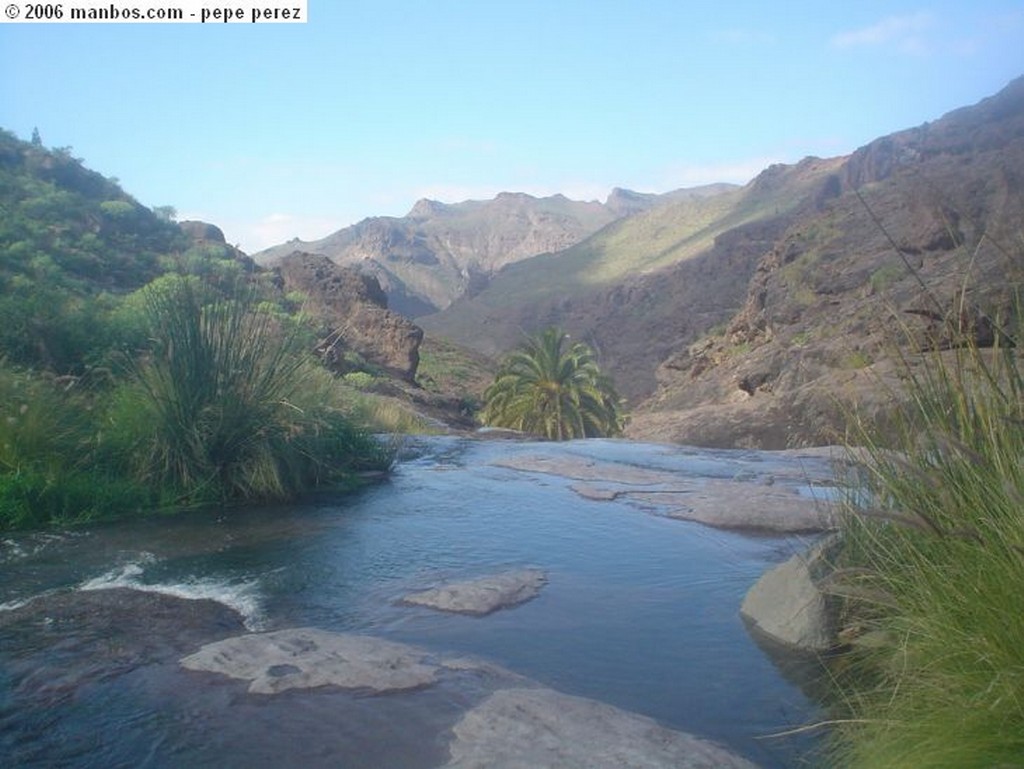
<point x="754" y="506"/>
<point x="202" y="231"/>
<point x="484" y="595"/>
<point x="753" y="502"/>
<point x="352" y="310"/>
<point x="526" y="728"/>
<point x="304" y="658"/>
<point x="788" y="607"/>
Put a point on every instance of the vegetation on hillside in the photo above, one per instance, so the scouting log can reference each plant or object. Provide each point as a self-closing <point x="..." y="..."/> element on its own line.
<point x="932" y="572"/>
<point x="554" y="389"/>
<point x="140" y="372"/>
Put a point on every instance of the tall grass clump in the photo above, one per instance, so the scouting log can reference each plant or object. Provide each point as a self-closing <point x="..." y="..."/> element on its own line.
<point x="934" y="572"/>
<point x="226" y="405"/>
<point x="52" y="468"/>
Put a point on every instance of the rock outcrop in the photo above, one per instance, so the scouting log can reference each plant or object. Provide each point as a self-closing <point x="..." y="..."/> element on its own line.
<point x="517" y="725"/>
<point x="909" y="246"/>
<point x="306" y="658"/>
<point x="751" y="501"/>
<point x="352" y="310"/>
<point x="484" y="595"/>
<point x="788" y="605"/>
<point x="543" y="729"/>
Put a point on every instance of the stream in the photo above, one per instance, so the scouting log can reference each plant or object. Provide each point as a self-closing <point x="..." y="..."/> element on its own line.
<point x="639" y="611"/>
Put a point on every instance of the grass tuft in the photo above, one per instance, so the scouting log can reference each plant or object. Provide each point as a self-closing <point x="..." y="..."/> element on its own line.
<point x="935" y="578"/>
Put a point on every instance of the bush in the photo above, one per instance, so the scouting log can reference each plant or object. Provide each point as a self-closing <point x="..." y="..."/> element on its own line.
<point x="936" y="564"/>
<point x="222" y="406"/>
<point x="52" y="466"/>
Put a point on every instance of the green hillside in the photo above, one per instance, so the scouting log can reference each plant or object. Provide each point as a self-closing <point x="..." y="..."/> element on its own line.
<point x="141" y="370"/>
<point x="71" y="241"/>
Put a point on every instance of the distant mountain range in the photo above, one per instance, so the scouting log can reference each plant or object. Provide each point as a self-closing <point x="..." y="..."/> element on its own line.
<point x="441" y="252"/>
<point x="756" y="315"/>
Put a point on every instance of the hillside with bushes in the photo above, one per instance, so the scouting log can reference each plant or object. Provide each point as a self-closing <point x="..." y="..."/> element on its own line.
<point x="147" y="365"/>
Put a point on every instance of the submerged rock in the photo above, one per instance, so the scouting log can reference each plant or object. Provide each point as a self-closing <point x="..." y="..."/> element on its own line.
<point x="304" y="658"/>
<point x="484" y="595"/>
<point x="543" y="729"/>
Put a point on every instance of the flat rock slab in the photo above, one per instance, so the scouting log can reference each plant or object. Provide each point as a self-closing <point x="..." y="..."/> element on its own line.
<point x="304" y="658"/>
<point x="543" y="729"/>
<point x="726" y="505"/>
<point x="583" y="469"/>
<point x="738" y="505"/>
<point x="484" y="595"/>
<point x="771" y="505"/>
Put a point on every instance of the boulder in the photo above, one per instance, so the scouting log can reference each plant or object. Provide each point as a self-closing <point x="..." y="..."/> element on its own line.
<point x="202" y="231"/>
<point x="353" y="313"/>
<point x="304" y="658"/>
<point x="484" y="595"/>
<point x="788" y="607"/>
<point x="525" y="728"/>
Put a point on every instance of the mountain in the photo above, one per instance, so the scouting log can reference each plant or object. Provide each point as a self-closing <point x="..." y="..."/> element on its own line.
<point x="924" y="237"/>
<point x="440" y="252"/>
<point x="642" y="285"/>
<point x="759" y="316"/>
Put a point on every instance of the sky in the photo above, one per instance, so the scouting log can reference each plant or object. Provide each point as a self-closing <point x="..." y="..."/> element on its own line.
<point x="277" y="131"/>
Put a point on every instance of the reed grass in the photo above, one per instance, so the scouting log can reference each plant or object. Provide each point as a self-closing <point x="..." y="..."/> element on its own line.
<point x="934" y="552"/>
<point x="229" y="406"/>
<point x="52" y="467"/>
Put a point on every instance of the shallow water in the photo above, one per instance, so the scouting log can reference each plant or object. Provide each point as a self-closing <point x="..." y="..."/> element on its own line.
<point x="640" y="611"/>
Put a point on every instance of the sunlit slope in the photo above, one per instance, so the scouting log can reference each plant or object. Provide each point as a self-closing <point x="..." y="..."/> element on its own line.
<point x="623" y="251"/>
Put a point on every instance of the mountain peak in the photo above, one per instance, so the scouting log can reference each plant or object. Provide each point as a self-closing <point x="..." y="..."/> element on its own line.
<point x="425" y="208"/>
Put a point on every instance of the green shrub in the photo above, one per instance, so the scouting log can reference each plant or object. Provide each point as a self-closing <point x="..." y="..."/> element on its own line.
<point x="935" y="557"/>
<point x="222" y="406"/>
<point x="53" y="468"/>
<point x="360" y="380"/>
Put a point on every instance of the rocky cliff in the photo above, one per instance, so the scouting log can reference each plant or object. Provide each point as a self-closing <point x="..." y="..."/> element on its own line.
<point x="351" y="311"/>
<point x="920" y="237"/>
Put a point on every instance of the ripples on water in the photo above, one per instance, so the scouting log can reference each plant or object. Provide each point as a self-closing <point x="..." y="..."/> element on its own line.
<point x="639" y="611"/>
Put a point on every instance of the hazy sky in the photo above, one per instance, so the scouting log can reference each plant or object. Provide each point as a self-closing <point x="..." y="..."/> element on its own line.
<point x="280" y="131"/>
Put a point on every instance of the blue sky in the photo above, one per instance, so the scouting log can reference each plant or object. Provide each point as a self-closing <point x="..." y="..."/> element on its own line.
<point x="280" y="131"/>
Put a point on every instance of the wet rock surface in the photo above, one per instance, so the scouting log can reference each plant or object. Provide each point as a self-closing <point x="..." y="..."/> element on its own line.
<point x="543" y="729"/>
<point x="787" y="604"/>
<point x="306" y="658"/>
<point x="483" y="595"/>
<point x="767" y="502"/>
<point x="509" y="723"/>
<point x="118" y="627"/>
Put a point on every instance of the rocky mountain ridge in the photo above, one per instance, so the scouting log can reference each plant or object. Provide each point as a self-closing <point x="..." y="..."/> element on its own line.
<point x="440" y="252"/>
<point x="922" y="241"/>
<point x="766" y="321"/>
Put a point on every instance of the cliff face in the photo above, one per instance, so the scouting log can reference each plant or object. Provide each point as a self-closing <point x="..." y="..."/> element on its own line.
<point x="878" y="272"/>
<point x="352" y="312"/>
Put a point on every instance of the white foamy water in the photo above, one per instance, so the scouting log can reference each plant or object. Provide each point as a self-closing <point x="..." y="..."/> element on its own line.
<point x="243" y="597"/>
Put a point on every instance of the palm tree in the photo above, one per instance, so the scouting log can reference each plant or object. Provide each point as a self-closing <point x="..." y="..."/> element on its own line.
<point x="551" y="388"/>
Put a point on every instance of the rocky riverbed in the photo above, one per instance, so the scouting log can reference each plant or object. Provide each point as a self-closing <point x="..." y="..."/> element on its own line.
<point x="492" y="604"/>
